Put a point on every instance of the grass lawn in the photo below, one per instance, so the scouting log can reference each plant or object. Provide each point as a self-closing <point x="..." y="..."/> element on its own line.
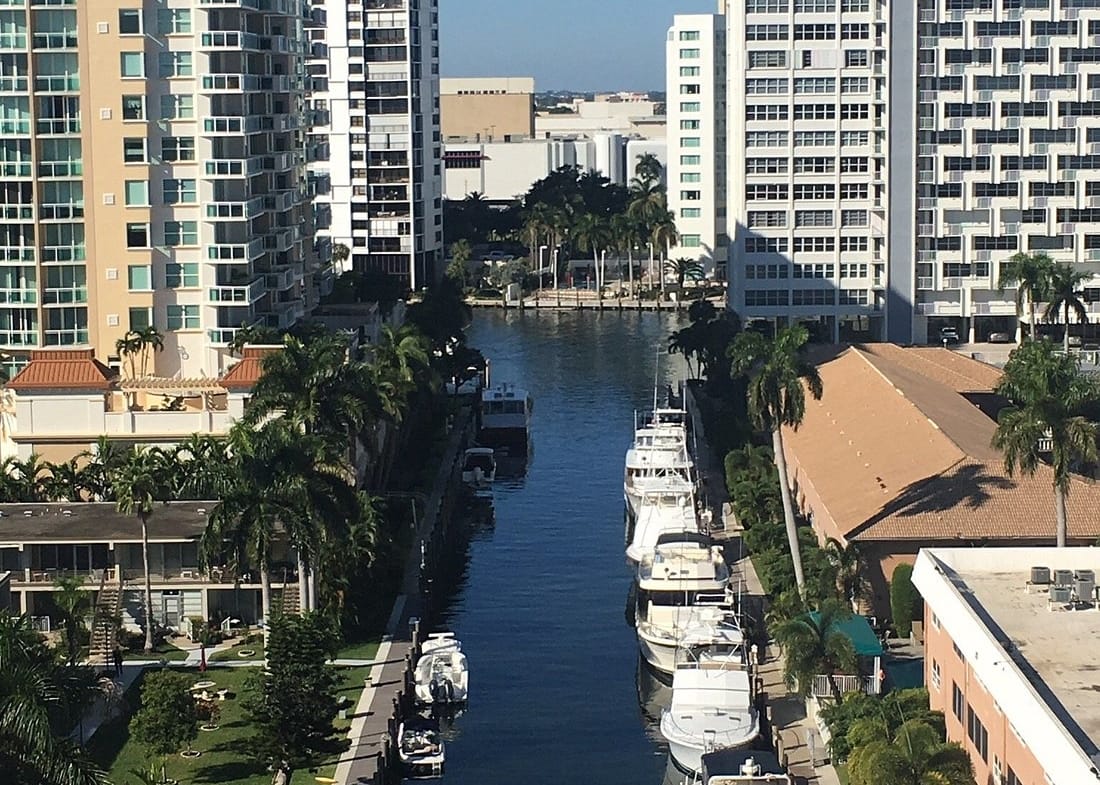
<point x="225" y="759"/>
<point x="165" y="651"/>
<point x="364" y="650"/>
<point x="842" y="773"/>
<point x="231" y="655"/>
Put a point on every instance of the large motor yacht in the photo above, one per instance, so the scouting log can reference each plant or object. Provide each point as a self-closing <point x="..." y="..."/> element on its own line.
<point x="671" y="511"/>
<point x="505" y="417"/>
<point x="683" y="586"/>
<point x="659" y="457"/>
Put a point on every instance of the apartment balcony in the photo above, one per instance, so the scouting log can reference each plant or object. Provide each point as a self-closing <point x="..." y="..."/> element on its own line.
<point x="939" y="309"/>
<point x="822" y="688"/>
<point x="235" y="253"/>
<point x="243" y="210"/>
<point x="232" y="125"/>
<point x="230" y="40"/>
<point x="281" y="280"/>
<point x="993" y="309"/>
<point x="244" y="294"/>
<point x="233" y="167"/>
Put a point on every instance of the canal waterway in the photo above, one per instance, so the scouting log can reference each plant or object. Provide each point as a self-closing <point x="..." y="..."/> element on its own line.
<point x="539" y="605"/>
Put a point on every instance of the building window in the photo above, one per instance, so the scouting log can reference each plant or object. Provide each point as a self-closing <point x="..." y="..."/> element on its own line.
<point x="689" y="70"/>
<point x="137" y="235"/>
<point x="936" y="676"/>
<point x="174" y="21"/>
<point x="174" y="64"/>
<point x="766" y="139"/>
<point x="133" y="150"/>
<point x="137" y="193"/>
<point x="852" y="297"/>
<point x="177" y="107"/>
<point x="690" y="141"/>
<point x="691" y="212"/>
<point x="690" y="241"/>
<point x="177" y="148"/>
<point x="129" y="21"/>
<point x="766" y="112"/>
<point x="691" y="177"/>
<point x="689" y="125"/>
<point x="958" y="702"/>
<point x="689" y="54"/>
<point x="768" y="59"/>
<point x="767" y="32"/>
<point x="976" y="732"/>
<point x="814" y="138"/>
<point x="181" y="233"/>
<point x="139" y="277"/>
<point x="854" y="218"/>
<point x="141" y="318"/>
<point x="181" y="275"/>
<point x="690" y="160"/>
<point x="766" y="165"/>
<point x="767" y="218"/>
<point x="856" y="58"/>
<point x="133" y="107"/>
<point x="689" y="106"/>
<point x="180" y="191"/>
<point x="133" y="65"/>
<point x="183" y="317"/>
<point x="766" y="297"/>
<point x="689" y="35"/>
<point x="766" y="6"/>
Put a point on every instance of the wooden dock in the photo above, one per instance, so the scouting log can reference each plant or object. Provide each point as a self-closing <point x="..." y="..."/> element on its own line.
<point x="586" y="301"/>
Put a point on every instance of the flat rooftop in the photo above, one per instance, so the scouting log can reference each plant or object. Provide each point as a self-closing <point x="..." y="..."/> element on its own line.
<point x="1039" y="660"/>
<point x="99" y="522"/>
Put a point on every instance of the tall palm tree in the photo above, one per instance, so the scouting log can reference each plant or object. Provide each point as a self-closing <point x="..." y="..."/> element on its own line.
<point x="593" y="232"/>
<point x="40" y="700"/>
<point x="648" y="202"/>
<point x="74" y="601"/>
<point x="1048" y="397"/>
<point x="138" y="485"/>
<point x="648" y="170"/>
<point x="199" y="466"/>
<point x="625" y="230"/>
<point x="151" y="341"/>
<point x="684" y="269"/>
<point x="101" y="462"/>
<point x="848" y="563"/>
<point x="914" y="754"/>
<point x="663" y="235"/>
<point x="813" y="646"/>
<point x="559" y="222"/>
<point x="779" y="377"/>
<point x="1063" y="287"/>
<point x="128" y="347"/>
<point x="1029" y="275"/>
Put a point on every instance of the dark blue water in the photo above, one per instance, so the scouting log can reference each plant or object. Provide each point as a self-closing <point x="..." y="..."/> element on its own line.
<point x="540" y="609"/>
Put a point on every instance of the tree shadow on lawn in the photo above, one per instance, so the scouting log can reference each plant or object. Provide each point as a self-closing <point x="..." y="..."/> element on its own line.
<point x="232" y="771"/>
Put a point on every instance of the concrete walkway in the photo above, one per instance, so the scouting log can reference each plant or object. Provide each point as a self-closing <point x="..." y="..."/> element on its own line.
<point x="108" y="706"/>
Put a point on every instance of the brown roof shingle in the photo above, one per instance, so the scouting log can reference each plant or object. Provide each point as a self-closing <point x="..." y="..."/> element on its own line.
<point x="63" y="369"/>
<point x="898" y="448"/>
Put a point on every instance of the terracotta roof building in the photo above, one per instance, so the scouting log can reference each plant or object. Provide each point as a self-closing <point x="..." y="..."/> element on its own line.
<point x="63" y="369"/>
<point x="897" y="455"/>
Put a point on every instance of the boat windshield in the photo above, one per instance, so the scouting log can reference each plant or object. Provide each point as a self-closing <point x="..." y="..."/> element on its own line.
<point x="511" y="406"/>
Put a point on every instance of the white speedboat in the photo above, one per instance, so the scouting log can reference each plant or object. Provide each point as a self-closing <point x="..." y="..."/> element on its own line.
<point x="683" y="585"/>
<point x="479" y="468"/>
<point x="441" y="675"/>
<point x="505" y="417"/>
<point x="712" y="709"/>
<point x="420" y="748"/>
<point x="662" y="512"/>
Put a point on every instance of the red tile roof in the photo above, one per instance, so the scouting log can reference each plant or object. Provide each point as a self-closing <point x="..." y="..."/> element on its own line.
<point x="63" y="369"/>
<point x="244" y="374"/>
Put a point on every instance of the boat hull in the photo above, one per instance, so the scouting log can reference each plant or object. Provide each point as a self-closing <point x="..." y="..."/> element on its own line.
<point x="513" y="437"/>
<point x="687" y="751"/>
<point x="660" y="656"/>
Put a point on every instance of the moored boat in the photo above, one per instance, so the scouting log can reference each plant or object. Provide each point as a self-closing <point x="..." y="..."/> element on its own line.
<point x="442" y="675"/>
<point x="420" y="748"/>
<point x="505" y="417"/>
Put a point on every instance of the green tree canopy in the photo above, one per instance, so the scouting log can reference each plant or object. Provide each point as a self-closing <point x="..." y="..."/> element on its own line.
<point x="166" y="721"/>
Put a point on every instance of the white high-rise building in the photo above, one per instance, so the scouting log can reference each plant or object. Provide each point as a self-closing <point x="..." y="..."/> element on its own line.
<point x="379" y="182"/>
<point x="886" y="159"/>
<point x="696" y="155"/>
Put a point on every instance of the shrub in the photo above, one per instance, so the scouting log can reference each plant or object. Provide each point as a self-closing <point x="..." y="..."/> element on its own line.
<point x="905" y="602"/>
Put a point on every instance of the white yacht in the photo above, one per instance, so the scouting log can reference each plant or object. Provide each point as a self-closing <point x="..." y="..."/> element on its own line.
<point x="743" y="767"/>
<point x="479" y="468"/>
<point x="505" y="416"/>
<point x="712" y="709"/>
<point x="421" y="749"/>
<point x="441" y="675"/>
<point x="683" y="585"/>
<point x="670" y="511"/>
<point x="658" y="458"/>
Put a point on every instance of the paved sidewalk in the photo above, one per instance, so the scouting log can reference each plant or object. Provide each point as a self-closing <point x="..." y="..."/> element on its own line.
<point x="107" y="706"/>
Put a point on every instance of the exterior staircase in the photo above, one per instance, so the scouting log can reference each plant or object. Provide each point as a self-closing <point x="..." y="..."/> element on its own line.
<point x="108" y="606"/>
<point x="289" y="599"/>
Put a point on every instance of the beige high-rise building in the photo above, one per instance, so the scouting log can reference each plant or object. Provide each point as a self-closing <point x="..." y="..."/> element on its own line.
<point x="153" y="163"/>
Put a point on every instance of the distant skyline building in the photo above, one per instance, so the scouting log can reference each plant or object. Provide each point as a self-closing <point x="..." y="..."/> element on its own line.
<point x="375" y="73"/>
<point x="885" y="160"/>
<point x="154" y="176"/>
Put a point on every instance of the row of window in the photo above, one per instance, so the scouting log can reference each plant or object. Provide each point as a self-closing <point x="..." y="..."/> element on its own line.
<point x="806" y="6"/>
<point x="779" y="58"/>
<point x="774" y="297"/>
<point x="806" y="138"/>
<point x="811" y="85"/>
<point x="783" y="191"/>
<point x="773" y="112"/>
<point x="181" y="275"/>
<point x="764" y="272"/>
<point x="174" y="234"/>
<point x="170" y="21"/>
<point x="169" y="65"/>
<point x="172" y="107"/>
<point x="808" y="32"/>
<point x="807" y="165"/>
<point x="172" y="149"/>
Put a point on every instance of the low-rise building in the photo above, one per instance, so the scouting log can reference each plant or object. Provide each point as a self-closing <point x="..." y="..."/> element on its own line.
<point x="1011" y="664"/>
<point x="897" y="456"/>
<point x="41" y="542"/>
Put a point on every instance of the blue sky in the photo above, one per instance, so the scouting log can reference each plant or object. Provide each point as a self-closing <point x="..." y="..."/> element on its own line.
<point x="564" y="44"/>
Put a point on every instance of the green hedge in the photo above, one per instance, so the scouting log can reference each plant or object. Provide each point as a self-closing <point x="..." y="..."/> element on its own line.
<point x="905" y="602"/>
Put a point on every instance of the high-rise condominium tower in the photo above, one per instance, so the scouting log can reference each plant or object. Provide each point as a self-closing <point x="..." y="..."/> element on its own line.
<point x="379" y="191"/>
<point x="886" y="159"/>
<point x="153" y="160"/>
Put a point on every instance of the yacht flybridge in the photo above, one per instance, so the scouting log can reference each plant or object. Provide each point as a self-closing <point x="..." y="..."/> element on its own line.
<point x="659" y="456"/>
<point x="670" y="511"/>
<point x="683" y="586"/>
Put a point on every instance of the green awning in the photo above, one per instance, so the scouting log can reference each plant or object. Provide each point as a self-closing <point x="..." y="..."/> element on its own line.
<point x="859" y="632"/>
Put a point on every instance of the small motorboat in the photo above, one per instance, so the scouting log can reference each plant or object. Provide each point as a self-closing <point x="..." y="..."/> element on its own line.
<point x="479" y="468"/>
<point x="421" y="749"/>
<point x="441" y="676"/>
<point x="505" y="417"/>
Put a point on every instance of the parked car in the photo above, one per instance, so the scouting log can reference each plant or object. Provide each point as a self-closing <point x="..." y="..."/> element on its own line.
<point x="949" y="335"/>
<point x="1001" y="338"/>
<point x="1075" y="340"/>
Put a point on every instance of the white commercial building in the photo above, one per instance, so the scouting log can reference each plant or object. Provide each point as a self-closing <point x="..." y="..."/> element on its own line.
<point x="379" y="190"/>
<point x="886" y="159"/>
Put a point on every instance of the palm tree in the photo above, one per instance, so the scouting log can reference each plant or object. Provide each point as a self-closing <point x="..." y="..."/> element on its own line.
<point x="663" y="235"/>
<point x="593" y="232"/>
<point x="648" y="171"/>
<point x="26" y="480"/>
<point x="812" y="645"/>
<point x="684" y="269"/>
<point x="1063" y="285"/>
<point x="340" y="253"/>
<point x="139" y="484"/>
<point x="40" y="701"/>
<point x="848" y="563"/>
<point x="1029" y="274"/>
<point x="150" y="339"/>
<point x="1048" y="395"/>
<point x="128" y="347"/>
<point x="199" y="467"/>
<point x="914" y="754"/>
<point x="101" y="463"/>
<point x="779" y="377"/>
<point x="625" y="230"/>
<point x="73" y="600"/>
<point x="648" y="202"/>
<point x="65" y="482"/>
